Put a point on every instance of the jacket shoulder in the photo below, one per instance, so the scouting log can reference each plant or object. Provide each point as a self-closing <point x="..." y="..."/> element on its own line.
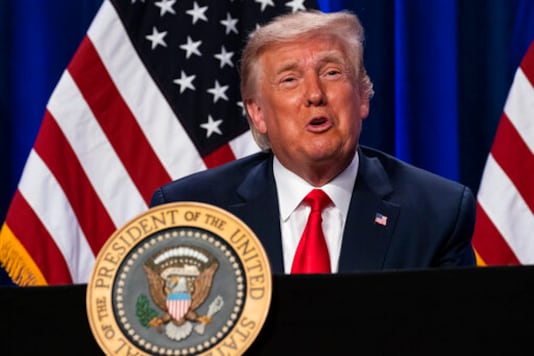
<point x="401" y="172"/>
<point x="209" y="184"/>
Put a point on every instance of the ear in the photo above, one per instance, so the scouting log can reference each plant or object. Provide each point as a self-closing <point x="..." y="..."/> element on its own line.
<point x="256" y="115"/>
<point x="364" y="107"/>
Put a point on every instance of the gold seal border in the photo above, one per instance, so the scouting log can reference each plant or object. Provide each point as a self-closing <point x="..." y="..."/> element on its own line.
<point x="219" y="222"/>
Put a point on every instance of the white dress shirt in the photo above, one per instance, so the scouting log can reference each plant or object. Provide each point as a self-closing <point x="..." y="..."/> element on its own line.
<point x="293" y="215"/>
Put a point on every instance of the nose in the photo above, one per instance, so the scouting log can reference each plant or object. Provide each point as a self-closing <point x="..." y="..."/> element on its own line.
<point x="314" y="92"/>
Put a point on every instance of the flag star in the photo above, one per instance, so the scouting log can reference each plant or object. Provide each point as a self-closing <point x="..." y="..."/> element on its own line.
<point x="218" y="92"/>
<point x="191" y="47"/>
<point x="230" y="23"/>
<point x="211" y="126"/>
<point x="198" y="13"/>
<point x="225" y="57"/>
<point x="296" y="5"/>
<point x="185" y="82"/>
<point x="265" y="3"/>
<point x="157" y="37"/>
<point x="165" y="6"/>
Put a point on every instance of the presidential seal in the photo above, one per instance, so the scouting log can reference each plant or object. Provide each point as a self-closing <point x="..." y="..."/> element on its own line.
<point x="180" y="279"/>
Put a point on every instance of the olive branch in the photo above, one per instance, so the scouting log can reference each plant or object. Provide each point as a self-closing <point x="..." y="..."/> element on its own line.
<point x="144" y="312"/>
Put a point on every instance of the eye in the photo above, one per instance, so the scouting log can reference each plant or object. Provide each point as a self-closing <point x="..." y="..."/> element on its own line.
<point x="332" y="73"/>
<point x="288" y="81"/>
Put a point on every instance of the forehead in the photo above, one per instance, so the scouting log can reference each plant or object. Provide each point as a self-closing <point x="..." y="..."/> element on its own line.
<point x="303" y="50"/>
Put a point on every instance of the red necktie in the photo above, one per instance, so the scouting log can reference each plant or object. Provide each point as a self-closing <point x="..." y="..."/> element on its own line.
<point x="312" y="252"/>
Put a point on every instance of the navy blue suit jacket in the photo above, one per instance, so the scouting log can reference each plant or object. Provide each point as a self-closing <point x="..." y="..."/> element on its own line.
<point x="430" y="219"/>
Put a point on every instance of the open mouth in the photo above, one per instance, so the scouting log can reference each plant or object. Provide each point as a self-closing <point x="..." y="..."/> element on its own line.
<point x="318" y="121"/>
<point x="319" y="124"/>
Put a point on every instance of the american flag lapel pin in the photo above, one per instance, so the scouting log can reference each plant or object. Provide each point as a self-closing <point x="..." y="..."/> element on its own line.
<point x="381" y="219"/>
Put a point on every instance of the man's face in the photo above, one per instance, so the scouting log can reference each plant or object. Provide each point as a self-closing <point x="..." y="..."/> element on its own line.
<point x="308" y="103"/>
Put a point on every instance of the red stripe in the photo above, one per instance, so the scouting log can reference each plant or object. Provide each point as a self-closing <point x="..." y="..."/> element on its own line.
<point x="489" y="243"/>
<point x="32" y="234"/>
<point x="117" y="121"/>
<point x="527" y="63"/>
<point x="95" y="221"/>
<point x="220" y="156"/>
<point x="515" y="158"/>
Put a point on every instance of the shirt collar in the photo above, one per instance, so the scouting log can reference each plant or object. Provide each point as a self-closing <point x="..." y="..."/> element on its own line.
<point x="293" y="188"/>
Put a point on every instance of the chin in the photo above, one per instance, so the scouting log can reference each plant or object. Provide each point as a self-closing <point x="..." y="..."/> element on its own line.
<point x="325" y="148"/>
<point x="326" y="156"/>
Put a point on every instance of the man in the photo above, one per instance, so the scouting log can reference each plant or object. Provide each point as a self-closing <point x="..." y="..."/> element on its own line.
<point x="306" y="91"/>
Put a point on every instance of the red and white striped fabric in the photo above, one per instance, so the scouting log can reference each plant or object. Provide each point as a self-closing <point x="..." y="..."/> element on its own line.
<point x="504" y="230"/>
<point x="110" y="136"/>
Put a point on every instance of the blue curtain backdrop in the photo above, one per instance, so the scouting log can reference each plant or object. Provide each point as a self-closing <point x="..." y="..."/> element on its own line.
<point x="441" y="69"/>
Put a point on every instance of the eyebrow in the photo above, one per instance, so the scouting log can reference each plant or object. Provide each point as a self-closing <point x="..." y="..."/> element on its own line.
<point x="332" y="57"/>
<point x="328" y="57"/>
<point x="289" y="65"/>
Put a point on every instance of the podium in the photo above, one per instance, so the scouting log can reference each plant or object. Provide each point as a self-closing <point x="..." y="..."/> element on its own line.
<point x="461" y="311"/>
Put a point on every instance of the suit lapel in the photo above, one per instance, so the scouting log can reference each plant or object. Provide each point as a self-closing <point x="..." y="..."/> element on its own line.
<point x="366" y="242"/>
<point x="259" y="210"/>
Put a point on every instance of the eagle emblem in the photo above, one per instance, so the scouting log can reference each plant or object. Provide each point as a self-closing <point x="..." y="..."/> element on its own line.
<point x="179" y="280"/>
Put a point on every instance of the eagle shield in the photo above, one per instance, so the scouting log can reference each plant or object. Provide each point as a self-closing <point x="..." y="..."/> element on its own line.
<point x="178" y="304"/>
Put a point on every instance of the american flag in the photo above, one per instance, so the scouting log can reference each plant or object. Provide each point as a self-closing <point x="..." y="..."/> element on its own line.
<point x="150" y="95"/>
<point x="504" y="229"/>
<point x="381" y="219"/>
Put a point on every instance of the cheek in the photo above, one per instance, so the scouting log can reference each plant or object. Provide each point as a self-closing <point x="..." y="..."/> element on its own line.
<point x="280" y="100"/>
<point x="281" y="111"/>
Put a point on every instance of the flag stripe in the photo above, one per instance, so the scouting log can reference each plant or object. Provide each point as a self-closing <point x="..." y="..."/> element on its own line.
<point x="492" y="246"/>
<point x="519" y="108"/>
<point x="503" y="204"/>
<point x="106" y="103"/>
<point x="48" y="201"/>
<point x="221" y="155"/>
<point x="527" y="64"/>
<point x="107" y="174"/>
<point x="243" y="145"/>
<point x="63" y="162"/>
<point x="513" y="155"/>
